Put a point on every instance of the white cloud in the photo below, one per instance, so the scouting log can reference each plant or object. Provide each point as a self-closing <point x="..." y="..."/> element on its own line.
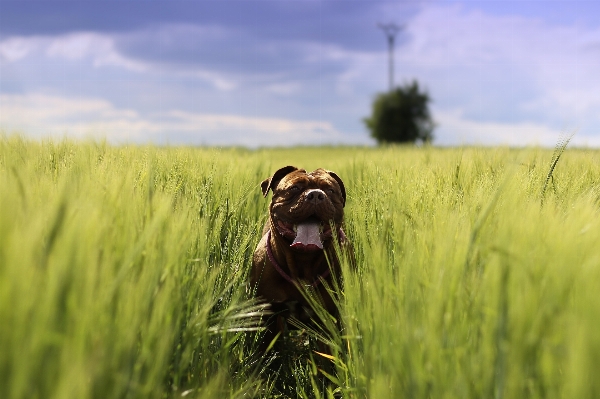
<point x="42" y="115"/>
<point x="16" y="48"/>
<point x="102" y="50"/>
<point x="252" y="131"/>
<point x="456" y="129"/>
<point x="99" y="49"/>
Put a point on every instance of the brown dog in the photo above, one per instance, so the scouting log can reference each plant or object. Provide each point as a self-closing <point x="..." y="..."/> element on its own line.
<point x="297" y="243"/>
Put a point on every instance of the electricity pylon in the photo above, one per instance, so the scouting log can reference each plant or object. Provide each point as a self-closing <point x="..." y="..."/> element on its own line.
<point x="390" y="31"/>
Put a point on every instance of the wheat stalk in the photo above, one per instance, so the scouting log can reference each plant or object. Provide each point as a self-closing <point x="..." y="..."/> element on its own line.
<point x="560" y="147"/>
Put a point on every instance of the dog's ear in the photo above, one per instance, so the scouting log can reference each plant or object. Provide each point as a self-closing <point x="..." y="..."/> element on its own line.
<point x="271" y="182"/>
<point x="340" y="183"/>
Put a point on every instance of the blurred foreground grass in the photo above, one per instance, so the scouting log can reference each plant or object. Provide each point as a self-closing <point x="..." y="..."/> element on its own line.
<point x="123" y="270"/>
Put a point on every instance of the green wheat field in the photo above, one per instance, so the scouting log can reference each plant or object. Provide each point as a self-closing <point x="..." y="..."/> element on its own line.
<point x="123" y="274"/>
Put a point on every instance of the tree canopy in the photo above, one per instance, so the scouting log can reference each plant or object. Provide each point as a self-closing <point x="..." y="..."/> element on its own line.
<point x="401" y="116"/>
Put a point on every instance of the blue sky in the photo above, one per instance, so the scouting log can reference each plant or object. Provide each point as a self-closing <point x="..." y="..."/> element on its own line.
<point x="286" y="72"/>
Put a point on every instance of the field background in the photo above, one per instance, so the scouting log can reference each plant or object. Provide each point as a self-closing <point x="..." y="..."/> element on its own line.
<point x="123" y="273"/>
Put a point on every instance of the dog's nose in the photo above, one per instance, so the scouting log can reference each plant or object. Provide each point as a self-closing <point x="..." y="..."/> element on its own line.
<point x="315" y="196"/>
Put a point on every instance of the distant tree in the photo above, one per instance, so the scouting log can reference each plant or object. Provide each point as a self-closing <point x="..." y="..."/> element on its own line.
<point x="401" y="116"/>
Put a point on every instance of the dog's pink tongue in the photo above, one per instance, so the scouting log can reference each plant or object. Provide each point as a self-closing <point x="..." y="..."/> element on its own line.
<point x="308" y="236"/>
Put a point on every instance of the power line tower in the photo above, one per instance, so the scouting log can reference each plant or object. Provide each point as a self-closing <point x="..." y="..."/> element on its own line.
<point x="390" y="31"/>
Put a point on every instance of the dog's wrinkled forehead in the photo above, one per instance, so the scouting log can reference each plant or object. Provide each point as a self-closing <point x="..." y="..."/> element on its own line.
<point x="289" y="176"/>
<point x="313" y="179"/>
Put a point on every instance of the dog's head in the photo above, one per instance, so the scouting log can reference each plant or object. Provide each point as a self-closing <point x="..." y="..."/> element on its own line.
<point x="304" y="205"/>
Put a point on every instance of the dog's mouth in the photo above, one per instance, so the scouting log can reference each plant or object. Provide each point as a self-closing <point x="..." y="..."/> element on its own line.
<point x="307" y="235"/>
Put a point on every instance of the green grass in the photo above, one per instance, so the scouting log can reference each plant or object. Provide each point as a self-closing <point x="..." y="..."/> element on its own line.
<point x="123" y="273"/>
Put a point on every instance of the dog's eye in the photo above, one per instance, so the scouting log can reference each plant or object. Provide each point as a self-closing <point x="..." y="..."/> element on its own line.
<point x="294" y="188"/>
<point x="330" y="191"/>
